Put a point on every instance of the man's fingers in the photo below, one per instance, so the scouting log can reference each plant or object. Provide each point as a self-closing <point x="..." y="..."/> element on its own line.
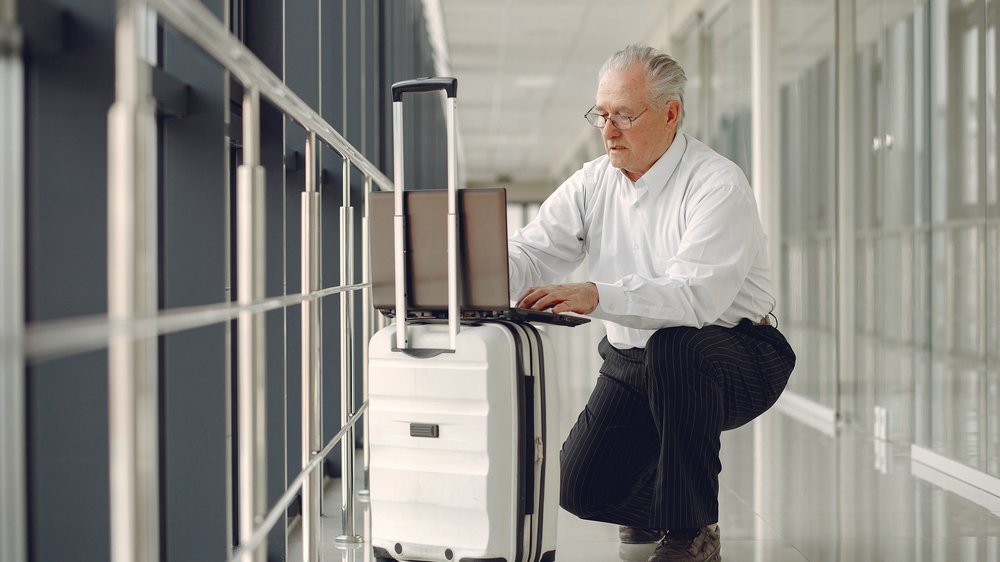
<point x="559" y="298"/>
<point x="525" y="294"/>
<point x="562" y="307"/>
<point x="528" y="298"/>
<point x="547" y="301"/>
<point x="538" y="298"/>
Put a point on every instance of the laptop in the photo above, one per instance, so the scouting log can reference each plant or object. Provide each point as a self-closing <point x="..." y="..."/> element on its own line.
<point x="484" y="293"/>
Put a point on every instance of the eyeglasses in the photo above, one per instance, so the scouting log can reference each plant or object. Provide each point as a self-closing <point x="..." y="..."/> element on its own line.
<point x="621" y="122"/>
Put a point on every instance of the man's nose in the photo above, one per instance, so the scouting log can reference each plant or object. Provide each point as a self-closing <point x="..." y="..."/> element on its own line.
<point x="610" y="131"/>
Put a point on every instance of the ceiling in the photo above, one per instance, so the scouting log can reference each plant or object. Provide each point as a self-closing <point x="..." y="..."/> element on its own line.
<point x="527" y="71"/>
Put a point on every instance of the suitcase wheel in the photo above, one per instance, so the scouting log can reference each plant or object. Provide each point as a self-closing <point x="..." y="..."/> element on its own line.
<point x="381" y="555"/>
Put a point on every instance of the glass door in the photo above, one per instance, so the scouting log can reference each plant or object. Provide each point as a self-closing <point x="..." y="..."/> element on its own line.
<point x="808" y="185"/>
<point x="890" y="129"/>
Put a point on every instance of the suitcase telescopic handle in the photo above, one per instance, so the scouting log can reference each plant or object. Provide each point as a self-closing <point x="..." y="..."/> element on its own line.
<point x="450" y="87"/>
<point x="429" y="84"/>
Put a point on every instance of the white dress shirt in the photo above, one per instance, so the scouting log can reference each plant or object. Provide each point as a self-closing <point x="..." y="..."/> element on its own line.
<point x="682" y="246"/>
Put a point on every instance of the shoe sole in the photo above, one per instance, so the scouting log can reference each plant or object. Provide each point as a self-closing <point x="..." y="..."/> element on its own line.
<point x="656" y="540"/>
<point x="636" y="552"/>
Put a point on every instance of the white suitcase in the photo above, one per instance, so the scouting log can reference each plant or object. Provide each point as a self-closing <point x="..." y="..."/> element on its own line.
<point x="463" y="430"/>
<point x="463" y="446"/>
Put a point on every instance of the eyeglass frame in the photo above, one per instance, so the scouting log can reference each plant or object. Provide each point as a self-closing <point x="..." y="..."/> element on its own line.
<point x="613" y="119"/>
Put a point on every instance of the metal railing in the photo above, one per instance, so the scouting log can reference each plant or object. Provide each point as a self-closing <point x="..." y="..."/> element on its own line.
<point x="13" y="526"/>
<point x="133" y="323"/>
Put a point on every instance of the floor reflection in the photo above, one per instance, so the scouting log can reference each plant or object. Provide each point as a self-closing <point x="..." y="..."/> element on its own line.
<point x="788" y="493"/>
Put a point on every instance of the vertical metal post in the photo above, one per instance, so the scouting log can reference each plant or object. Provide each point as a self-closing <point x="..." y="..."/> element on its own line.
<point x="228" y="276"/>
<point x="454" y="316"/>
<point x="846" y="246"/>
<point x="251" y="424"/>
<point x="132" y="291"/>
<point x="764" y="179"/>
<point x="765" y="129"/>
<point x="312" y="487"/>
<point x="366" y="329"/>
<point x="349" y="535"/>
<point x="13" y="507"/>
<point x="399" y="224"/>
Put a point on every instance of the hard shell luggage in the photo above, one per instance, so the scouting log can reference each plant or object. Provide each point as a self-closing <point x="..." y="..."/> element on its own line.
<point x="463" y="429"/>
<point x="463" y="447"/>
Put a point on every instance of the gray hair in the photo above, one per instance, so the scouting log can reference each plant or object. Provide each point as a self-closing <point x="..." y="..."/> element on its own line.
<point x="666" y="78"/>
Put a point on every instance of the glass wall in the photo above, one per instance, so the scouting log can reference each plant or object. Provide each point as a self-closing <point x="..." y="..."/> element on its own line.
<point x="806" y="266"/>
<point x="726" y="95"/>
<point x="924" y="201"/>
<point x="689" y="55"/>
<point x="960" y="391"/>
<point x="890" y="180"/>
<point x="716" y="52"/>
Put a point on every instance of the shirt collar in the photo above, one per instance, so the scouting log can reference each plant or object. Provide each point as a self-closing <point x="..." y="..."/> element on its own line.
<point x="655" y="179"/>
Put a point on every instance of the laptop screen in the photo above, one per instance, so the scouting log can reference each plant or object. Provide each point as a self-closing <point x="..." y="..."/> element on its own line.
<point x="482" y="244"/>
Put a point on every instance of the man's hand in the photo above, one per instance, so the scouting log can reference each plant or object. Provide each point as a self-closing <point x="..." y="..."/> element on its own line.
<point x="581" y="298"/>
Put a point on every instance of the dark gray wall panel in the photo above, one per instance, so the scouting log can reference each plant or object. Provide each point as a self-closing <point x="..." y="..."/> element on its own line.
<point x="193" y="502"/>
<point x="265" y="36"/>
<point x="302" y="49"/>
<point x="293" y="328"/>
<point x="332" y="99"/>
<point x="68" y="97"/>
<point x="302" y="75"/>
<point x="67" y="404"/>
<point x="275" y="326"/>
<point x="409" y="56"/>
<point x="332" y="79"/>
<point x="375" y="91"/>
<point x="68" y="94"/>
<point x="353" y="80"/>
<point x="332" y="190"/>
<point x="193" y="258"/>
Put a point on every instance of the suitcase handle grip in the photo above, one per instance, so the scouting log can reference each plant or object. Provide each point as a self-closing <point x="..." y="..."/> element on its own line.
<point x="449" y="85"/>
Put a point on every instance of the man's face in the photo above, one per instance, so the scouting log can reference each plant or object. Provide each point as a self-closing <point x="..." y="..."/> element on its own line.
<point x="636" y="149"/>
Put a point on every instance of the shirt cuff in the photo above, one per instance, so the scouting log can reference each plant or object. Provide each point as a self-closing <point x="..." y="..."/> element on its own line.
<point x="611" y="298"/>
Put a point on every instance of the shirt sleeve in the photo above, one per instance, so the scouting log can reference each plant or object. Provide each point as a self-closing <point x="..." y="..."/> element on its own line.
<point x="553" y="244"/>
<point x="701" y="281"/>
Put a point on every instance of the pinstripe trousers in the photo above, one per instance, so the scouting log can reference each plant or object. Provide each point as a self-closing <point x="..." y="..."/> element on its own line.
<point x="645" y="450"/>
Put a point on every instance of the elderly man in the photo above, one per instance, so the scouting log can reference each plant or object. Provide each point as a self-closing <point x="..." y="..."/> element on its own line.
<point x="680" y="276"/>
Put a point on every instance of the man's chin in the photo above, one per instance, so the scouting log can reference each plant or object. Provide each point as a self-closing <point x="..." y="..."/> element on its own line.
<point x="616" y="160"/>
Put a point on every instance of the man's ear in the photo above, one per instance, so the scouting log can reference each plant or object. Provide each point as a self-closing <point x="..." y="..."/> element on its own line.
<point x="673" y="112"/>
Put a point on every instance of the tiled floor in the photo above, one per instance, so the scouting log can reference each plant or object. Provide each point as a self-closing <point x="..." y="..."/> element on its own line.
<point x="789" y="493"/>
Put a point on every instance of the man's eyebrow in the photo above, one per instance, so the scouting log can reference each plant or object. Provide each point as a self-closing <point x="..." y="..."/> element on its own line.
<point x="626" y="110"/>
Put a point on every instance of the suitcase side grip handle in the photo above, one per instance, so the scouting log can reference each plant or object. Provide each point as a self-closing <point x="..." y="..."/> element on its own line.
<point x="448" y="84"/>
<point x="421" y="353"/>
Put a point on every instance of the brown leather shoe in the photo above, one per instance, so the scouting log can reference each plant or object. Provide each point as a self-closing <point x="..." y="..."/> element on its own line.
<point x="638" y="535"/>
<point x="706" y="546"/>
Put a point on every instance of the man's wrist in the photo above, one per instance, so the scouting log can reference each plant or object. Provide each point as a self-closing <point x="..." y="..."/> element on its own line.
<point x="611" y="298"/>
